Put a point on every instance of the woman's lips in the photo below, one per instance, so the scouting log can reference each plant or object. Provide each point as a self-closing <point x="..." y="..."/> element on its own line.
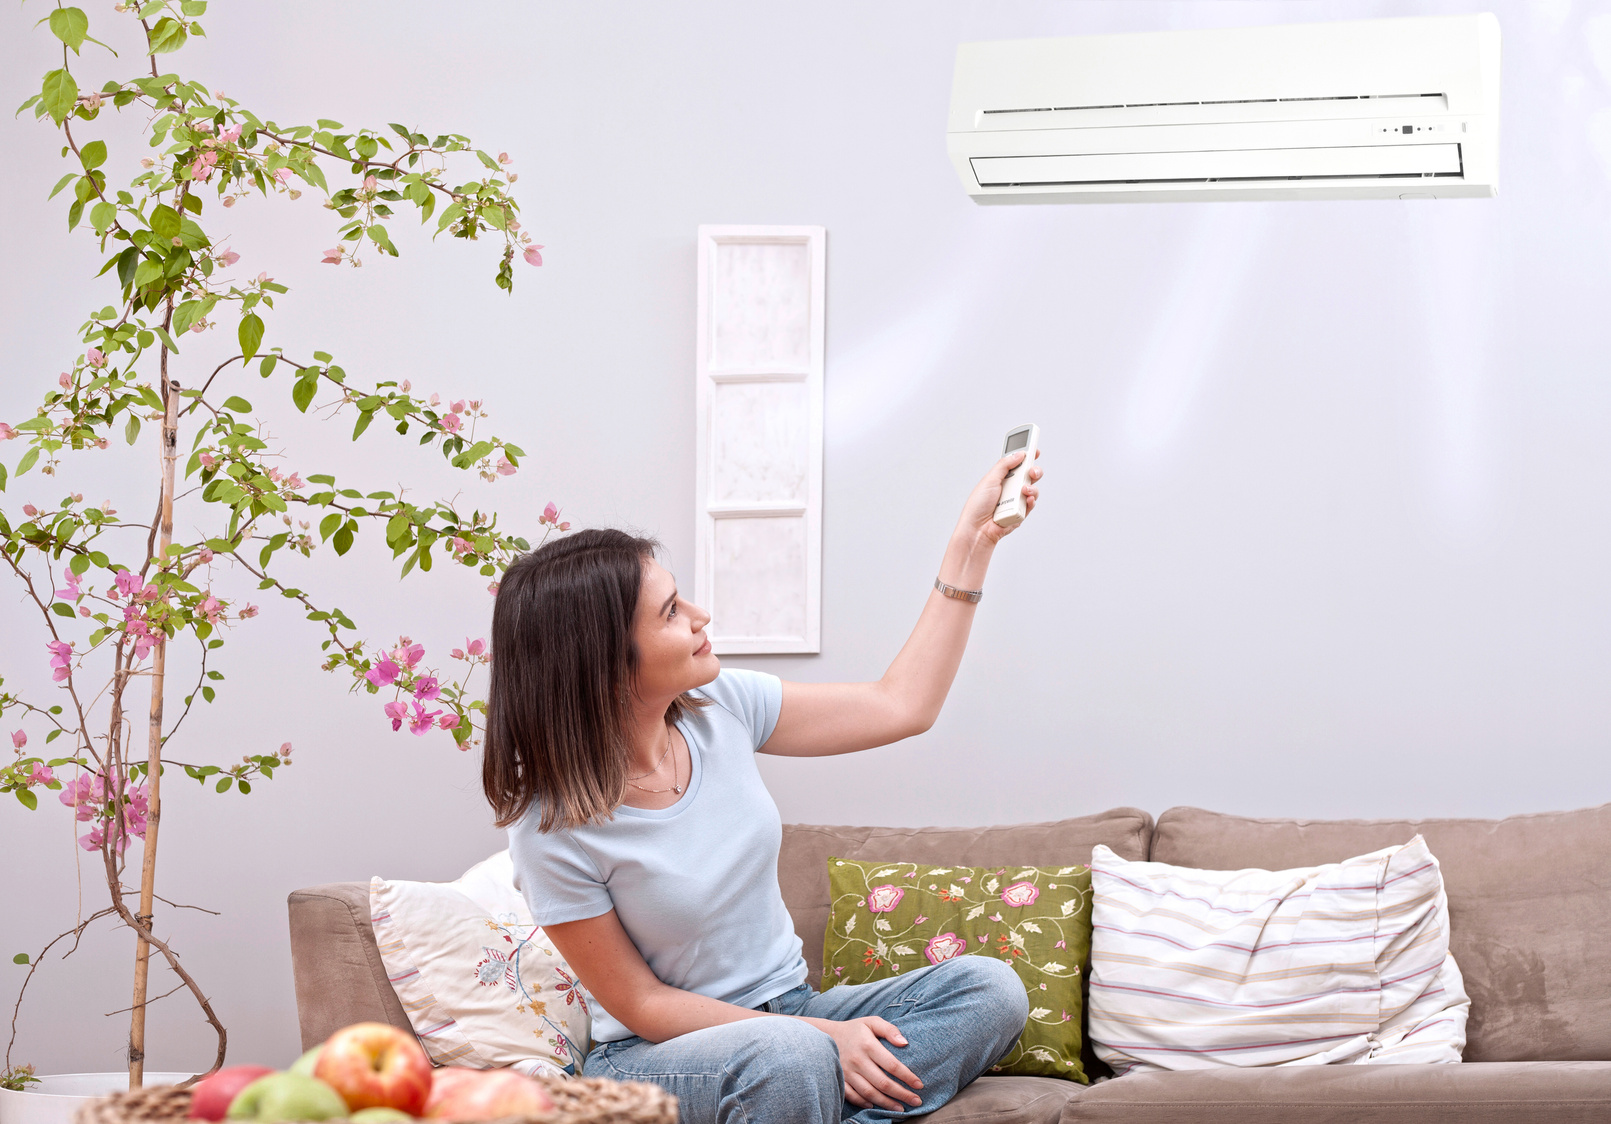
<point x="703" y="648"/>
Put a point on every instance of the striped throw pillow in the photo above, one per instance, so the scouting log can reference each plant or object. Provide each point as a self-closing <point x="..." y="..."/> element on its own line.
<point x="1347" y="962"/>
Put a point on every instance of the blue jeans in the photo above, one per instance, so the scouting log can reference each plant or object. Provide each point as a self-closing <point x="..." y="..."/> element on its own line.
<point x="959" y="1017"/>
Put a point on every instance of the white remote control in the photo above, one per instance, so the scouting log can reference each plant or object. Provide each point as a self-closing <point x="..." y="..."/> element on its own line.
<point x="1011" y="510"/>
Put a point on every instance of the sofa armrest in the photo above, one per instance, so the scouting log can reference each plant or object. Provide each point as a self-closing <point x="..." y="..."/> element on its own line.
<point x="340" y="979"/>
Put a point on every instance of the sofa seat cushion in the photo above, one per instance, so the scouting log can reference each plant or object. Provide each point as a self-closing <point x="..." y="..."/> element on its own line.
<point x="1528" y="911"/>
<point x="1473" y="1093"/>
<point x="1007" y="1100"/>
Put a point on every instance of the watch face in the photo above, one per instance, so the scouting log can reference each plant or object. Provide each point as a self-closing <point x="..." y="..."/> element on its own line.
<point x="1016" y="441"/>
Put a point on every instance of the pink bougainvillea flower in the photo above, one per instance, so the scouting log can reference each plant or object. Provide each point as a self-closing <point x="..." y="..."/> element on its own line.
<point x="457" y="407"/>
<point x="61" y="654"/>
<point x="456" y="654"/>
<point x="460" y="546"/>
<point x="230" y="135"/>
<point x="210" y="608"/>
<point x="92" y="841"/>
<point x="492" y="588"/>
<point x="248" y="613"/>
<point x="427" y="688"/>
<point x="945" y="947"/>
<point x="65" y="380"/>
<point x="128" y="583"/>
<point x="1020" y="894"/>
<point x="504" y="467"/>
<point x="331" y="257"/>
<point x="143" y="646"/>
<point x="882" y="899"/>
<point x="19" y="738"/>
<point x="503" y="158"/>
<point x="263" y="278"/>
<point x="40" y="774"/>
<point x="550" y="513"/>
<point x="475" y="647"/>
<point x="228" y="257"/>
<point x="452" y="423"/>
<point x="422" y="720"/>
<point x="383" y="674"/>
<point x="407" y="652"/>
<point x="201" y="171"/>
<point x="69" y="590"/>
<point x="283" y="175"/>
<point x="294" y="482"/>
<point x="203" y="126"/>
<point x="204" y="555"/>
<point x="6" y="432"/>
<point x="398" y="713"/>
<point x="274" y="474"/>
<point x="532" y="256"/>
<point x="29" y="510"/>
<point x="207" y="460"/>
<point x="370" y="183"/>
<point x="448" y="721"/>
<point x="198" y="327"/>
<point x="150" y="593"/>
<point x="96" y="359"/>
<point x="92" y="101"/>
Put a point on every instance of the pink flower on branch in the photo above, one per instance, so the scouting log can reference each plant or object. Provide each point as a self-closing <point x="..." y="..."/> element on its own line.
<point x="460" y="546"/>
<point x="504" y="467"/>
<point x="332" y="256"/>
<point x="7" y="433"/>
<point x="283" y="175"/>
<point x="427" y="689"/>
<point x="228" y="257"/>
<point x="230" y="135"/>
<point x="128" y="584"/>
<point x="452" y="423"/>
<point x="422" y="720"/>
<point x="383" y="674"/>
<point x="398" y="713"/>
<point x="532" y="256"/>
<point x="457" y="407"/>
<point x="407" y="652"/>
<point x="207" y="460"/>
<point x="40" y="774"/>
<point x="19" y="738"/>
<point x="448" y="721"/>
<point x="248" y="613"/>
<point x="61" y="656"/>
<point x="96" y="359"/>
<point x="65" y="381"/>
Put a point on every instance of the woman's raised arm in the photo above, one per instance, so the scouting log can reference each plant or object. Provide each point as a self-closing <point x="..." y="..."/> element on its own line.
<point x="818" y="719"/>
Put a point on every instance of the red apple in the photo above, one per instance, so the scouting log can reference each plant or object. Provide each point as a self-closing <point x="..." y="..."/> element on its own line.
<point x="374" y="1065"/>
<point x="459" y="1095"/>
<point x="210" y="1097"/>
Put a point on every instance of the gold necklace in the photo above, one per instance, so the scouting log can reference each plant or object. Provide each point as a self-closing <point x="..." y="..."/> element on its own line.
<point x="677" y="788"/>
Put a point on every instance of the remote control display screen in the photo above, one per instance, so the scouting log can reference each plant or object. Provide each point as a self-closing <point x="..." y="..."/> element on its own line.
<point x="1016" y="441"/>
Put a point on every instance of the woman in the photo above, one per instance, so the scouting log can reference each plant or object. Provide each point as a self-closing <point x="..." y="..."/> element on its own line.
<point x="620" y="756"/>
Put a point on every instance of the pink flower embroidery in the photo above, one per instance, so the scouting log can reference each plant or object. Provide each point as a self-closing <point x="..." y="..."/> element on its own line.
<point x="945" y="947"/>
<point x="882" y="899"/>
<point x="1020" y="894"/>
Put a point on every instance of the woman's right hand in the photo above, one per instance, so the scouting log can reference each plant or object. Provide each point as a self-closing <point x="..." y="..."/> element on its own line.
<point x="873" y="1075"/>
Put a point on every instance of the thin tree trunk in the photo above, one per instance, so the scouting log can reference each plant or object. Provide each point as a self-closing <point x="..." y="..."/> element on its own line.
<point x="153" y="777"/>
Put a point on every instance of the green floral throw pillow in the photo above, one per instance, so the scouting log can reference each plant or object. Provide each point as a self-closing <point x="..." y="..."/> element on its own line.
<point x="890" y="918"/>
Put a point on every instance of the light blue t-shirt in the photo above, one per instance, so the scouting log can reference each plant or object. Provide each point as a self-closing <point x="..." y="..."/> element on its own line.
<point x="695" y="885"/>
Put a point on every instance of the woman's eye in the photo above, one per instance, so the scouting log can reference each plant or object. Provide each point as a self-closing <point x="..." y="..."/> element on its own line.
<point x="673" y="611"/>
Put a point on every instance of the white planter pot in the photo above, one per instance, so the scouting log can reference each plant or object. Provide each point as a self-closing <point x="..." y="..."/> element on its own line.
<point x="57" y="1097"/>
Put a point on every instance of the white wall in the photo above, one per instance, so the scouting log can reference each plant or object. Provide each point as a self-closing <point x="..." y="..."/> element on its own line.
<point x="1325" y="528"/>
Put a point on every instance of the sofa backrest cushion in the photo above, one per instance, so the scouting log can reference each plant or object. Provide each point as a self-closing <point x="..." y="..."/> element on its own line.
<point x="340" y="979"/>
<point x="803" y="862"/>
<point x="1529" y="910"/>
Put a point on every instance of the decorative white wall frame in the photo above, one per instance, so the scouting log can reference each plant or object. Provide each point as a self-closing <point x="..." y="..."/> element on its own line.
<point x="758" y="545"/>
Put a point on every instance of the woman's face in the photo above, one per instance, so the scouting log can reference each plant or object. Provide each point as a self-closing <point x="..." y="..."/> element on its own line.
<point x="673" y="651"/>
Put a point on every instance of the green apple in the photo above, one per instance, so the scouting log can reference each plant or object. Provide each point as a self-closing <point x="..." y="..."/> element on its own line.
<point x="303" y="1066"/>
<point x="380" y="1115"/>
<point x="281" y="1098"/>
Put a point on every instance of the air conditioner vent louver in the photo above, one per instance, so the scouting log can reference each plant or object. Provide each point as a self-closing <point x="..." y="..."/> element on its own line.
<point x="1250" y="113"/>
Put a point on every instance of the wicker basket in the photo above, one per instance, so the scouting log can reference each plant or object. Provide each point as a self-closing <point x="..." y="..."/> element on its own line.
<point x="579" y="1100"/>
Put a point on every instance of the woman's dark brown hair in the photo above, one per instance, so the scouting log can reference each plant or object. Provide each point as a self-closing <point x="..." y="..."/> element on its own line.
<point x="563" y="664"/>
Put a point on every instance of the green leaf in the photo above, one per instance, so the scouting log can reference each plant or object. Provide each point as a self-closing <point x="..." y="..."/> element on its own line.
<point x="168" y="35"/>
<point x="239" y="405"/>
<point x="62" y="610"/>
<point x="93" y="154"/>
<point x="80" y="564"/>
<point x="302" y="393"/>
<point x="164" y="222"/>
<point x="245" y="787"/>
<point x="266" y="368"/>
<point x="250" y="334"/>
<point x="58" y="95"/>
<point x="206" y="692"/>
<point x="328" y="525"/>
<point x="343" y="540"/>
<point x="70" y="25"/>
<point x="167" y="340"/>
<point x="20" y="958"/>
<point x="186" y="315"/>
<point x="363" y="423"/>
<point x="102" y="216"/>
<point x="61" y="183"/>
<point x="27" y="461"/>
<point x="27" y="799"/>
<point x="223" y="784"/>
<point x="131" y="428"/>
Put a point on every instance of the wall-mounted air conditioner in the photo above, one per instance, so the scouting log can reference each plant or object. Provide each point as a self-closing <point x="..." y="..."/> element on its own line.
<point x="1375" y="109"/>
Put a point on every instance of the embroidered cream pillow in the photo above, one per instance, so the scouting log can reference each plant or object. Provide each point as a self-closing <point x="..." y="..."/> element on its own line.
<point x="482" y="985"/>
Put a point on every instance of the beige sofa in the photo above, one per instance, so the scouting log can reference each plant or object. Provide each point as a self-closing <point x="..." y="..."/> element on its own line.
<point x="1530" y="914"/>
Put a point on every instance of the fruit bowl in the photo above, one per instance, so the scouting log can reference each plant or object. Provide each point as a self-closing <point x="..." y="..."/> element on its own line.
<point x="577" y="1100"/>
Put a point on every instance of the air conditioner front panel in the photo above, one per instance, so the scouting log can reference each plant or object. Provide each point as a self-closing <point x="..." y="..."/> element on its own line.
<point x="1409" y="162"/>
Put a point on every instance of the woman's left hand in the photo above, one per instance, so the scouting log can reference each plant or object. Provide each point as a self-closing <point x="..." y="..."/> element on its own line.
<point x="977" y="513"/>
